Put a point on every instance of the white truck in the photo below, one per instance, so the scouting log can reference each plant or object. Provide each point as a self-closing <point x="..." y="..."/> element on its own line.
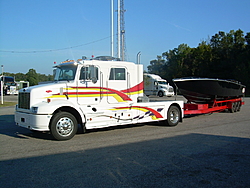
<point x="90" y="94"/>
<point x="155" y="85"/>
<point x="9" y="85"/>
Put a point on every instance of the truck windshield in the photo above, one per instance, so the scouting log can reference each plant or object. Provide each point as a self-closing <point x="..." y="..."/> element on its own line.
<point x="10" y="83"/>
<point x="67" y="73"/>
<point x="162" y="82"/>
<point x="8" y="80"/>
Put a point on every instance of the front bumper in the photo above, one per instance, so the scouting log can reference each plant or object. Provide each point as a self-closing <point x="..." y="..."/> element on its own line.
<point x="168" y="94"/>
<point x="38" y="122"/>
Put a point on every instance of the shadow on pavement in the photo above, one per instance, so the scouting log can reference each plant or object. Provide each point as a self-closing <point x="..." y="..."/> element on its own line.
<point x="192" y="160"/>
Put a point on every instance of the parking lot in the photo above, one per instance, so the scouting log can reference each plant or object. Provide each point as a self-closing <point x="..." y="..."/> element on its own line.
<point x="210" y="150"/>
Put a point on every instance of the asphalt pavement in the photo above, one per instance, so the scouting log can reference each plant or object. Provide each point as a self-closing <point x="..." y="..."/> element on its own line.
<point x="210" y="150"/>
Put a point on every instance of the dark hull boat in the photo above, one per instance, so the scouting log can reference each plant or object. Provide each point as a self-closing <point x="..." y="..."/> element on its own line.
<point x="206" y="90"/>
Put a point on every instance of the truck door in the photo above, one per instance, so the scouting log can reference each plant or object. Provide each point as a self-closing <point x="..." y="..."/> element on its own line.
<point x="118" y="82"/>
<point x="88" y="88"/>
<point x="156" y="87"/>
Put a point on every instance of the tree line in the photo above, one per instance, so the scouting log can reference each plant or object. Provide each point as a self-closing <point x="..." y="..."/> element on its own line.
<point x="32" y="76"/>
<point x="224" y="56"/>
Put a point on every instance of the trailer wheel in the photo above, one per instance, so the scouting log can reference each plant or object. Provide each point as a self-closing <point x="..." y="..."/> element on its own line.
<point x="234" y="107"/>
<point x="63" y="126"/>
<point x="173" y="116"/>
<point x="238" y="106"/>
<point x="160" y="94"/>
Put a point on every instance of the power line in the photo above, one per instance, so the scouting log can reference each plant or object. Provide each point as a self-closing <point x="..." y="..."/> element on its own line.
<point x="53" y="50"/>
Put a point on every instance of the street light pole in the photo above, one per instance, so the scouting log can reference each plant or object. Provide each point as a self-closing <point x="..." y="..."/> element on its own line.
<point x="2" y="86"/>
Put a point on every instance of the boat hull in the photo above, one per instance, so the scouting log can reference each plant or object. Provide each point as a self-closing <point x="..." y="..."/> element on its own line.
<point x="206" y="90"/>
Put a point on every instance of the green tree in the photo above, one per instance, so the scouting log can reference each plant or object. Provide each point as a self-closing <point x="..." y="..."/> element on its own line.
<point x="20" y="77"/>
<point x="157" y="66"/>
<point x="226" y="56"/>
<point x="201" y="58"/>
<point x="32" y="77"/>
<point x="178" y="63"/>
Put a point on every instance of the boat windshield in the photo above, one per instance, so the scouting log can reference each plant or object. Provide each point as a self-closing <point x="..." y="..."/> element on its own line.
<point x="162" y="82"/>
<point x="65" y="73"/>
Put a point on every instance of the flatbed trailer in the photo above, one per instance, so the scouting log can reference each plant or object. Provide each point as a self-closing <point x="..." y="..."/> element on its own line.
<point x="233" y="105"/>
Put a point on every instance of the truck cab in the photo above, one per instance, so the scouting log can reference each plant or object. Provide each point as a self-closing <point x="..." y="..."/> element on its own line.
<point x="155" y="85"/>
<point x="91" y="94"/>
<point x="9" y="85"/>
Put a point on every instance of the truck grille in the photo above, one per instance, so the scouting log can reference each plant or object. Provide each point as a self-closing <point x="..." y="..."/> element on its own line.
<point x="24" y="100"/>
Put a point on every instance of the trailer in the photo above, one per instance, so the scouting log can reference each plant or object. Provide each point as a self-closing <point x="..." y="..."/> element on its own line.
<point x="233" y="105"/>
<point x="22" y="84"/>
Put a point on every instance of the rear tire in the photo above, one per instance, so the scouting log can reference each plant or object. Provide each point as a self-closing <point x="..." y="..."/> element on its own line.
<point x="173" y="116"/>
<point x="234" y="107"/>
<point x="63" y="126"/>
<point x="238" y="106"/>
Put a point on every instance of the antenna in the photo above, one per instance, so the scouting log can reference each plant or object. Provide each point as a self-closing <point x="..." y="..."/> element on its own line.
<point x="119" y="30"/>
<point x="112" y="28"/>
<point x="122" y="28"/>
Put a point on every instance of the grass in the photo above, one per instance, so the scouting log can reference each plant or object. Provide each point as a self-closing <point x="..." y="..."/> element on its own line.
<point x="5" y="104"/>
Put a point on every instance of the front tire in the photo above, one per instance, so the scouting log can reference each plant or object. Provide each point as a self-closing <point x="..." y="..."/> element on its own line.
<point x="160" y="94"/>
<point x="63" y="126"/>
<point x="174" y="116"/>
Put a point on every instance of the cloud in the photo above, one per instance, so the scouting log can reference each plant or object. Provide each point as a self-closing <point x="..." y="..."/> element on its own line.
<point x="179" y="27"/>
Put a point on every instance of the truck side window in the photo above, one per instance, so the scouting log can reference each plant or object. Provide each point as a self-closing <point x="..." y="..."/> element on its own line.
<point x="117" y="74"/>
<point x="85" y="73"/>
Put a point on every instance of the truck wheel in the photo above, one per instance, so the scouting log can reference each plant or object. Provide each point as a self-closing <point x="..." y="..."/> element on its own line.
<point x="160" y="94"/>
<point x="173" y="116"/>
<point x="63" y="126"/>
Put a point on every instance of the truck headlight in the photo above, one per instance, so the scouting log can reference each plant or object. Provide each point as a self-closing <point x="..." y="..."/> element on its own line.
<point x="34" y="109"/>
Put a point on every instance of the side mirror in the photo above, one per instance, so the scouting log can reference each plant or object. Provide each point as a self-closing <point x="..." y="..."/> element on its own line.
<point x="94" y="79"/>
<point x="93" y="75"/>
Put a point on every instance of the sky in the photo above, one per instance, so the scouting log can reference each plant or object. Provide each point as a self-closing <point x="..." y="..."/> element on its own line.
<point x="36" y="33"/>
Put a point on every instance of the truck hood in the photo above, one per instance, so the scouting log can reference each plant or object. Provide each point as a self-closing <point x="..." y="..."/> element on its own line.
<point x="40" y="93"/>
<point x="166" y="86"/>
<point x="44" y="87"/>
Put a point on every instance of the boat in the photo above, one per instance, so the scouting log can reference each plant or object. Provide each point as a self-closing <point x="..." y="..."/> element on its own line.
<point x="207" y="90"/>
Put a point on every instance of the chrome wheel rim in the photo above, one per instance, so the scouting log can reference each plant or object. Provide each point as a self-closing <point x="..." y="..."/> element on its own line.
<point x="174" y="116"/>
<point x="64" y="126"/>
